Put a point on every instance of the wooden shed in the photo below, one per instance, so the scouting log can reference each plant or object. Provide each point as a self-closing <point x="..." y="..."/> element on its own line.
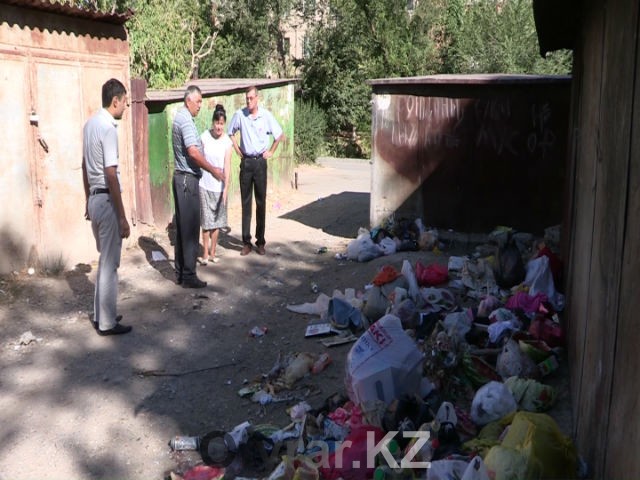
<point x="602" y="229"/>
<point x="54" y="59"/>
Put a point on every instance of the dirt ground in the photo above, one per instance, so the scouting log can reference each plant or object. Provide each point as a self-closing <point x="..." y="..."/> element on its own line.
<point x="75" y="405"/>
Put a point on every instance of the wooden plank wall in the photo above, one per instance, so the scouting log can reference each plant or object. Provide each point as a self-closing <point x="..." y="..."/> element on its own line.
<point x="140" y="121"/>
<point x="603" y="268"/>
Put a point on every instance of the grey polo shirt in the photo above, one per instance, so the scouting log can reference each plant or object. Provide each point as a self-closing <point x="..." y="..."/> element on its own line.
<point x="100" y="147"/>
<point x="184" y="135"/>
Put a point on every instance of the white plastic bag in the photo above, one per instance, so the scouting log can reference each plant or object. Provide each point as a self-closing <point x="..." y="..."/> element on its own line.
<point x="409" y="274"/>
<point x="359" y="244"/>
<point x="319" y="307"/>
<point x="388" y="246"/>
<point x="476" y="470"/>
<point x="539" y="278"/>
<point x="383" y="364"/>
<point x="492" y="402"/>
<point x="446" y="469"/>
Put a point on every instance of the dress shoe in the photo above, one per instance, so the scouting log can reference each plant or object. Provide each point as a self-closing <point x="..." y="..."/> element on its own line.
<point x="246" y="250"/>
<point x="193" y="283"/>
<point x="261" y="250"/>
<point x="95" y="324"/>
<point x="119" y="329"/>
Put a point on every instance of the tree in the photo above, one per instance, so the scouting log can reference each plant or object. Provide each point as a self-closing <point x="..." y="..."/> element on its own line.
<point x="169" y="40"/>
<point x="360" y="41"/>
<point x="251" y="40"/>
<point x="499" y="36"/>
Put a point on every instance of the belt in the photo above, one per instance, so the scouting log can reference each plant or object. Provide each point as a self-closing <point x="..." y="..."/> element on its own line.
<point x="253" y="157"/>
<point x="184" y="172"/>
<point x="98" y="191"/>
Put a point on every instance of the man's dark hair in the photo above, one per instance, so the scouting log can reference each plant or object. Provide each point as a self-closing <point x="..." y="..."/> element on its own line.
<point x="190" y="90"/>
<point x="112" y="88"/>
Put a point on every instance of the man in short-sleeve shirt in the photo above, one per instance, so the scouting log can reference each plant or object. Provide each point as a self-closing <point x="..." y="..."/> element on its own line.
<point x="104" y="203"/>
<point x="256" y="126"/>
<point x="189" y="163"/>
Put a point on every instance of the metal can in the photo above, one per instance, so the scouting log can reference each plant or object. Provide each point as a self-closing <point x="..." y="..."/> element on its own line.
<point x="183" y="442"/>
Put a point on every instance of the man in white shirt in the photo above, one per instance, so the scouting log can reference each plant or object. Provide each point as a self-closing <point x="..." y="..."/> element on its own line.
<point x="104" y="205"/>
<point x="256" y="126"/>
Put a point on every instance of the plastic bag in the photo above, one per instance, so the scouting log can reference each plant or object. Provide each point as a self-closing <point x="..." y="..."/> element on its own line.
<point x="431" y="275"/>
<point x="319" y="307"/>
<point x="458" y="324"/>
<point x="446" y="469"/>
<point x="531" y="395"/>
<point x="540" y="280"/>
<point x="354" y="453"/>
<point x="383" y="364"/>
<point x="509" y="269"/>
<point x="408" y="273"/>
<point x="343" y="315"/>
<point x="386" y="274"/>
<point x="512" y="361"/>
<point x="492" y="402"/>
<point x="387" y="245"/>
<point x="375" y="304"/>
<point x="362" y="249"/>
<point x="533" y="448"/>
<point x="476" y="470"/>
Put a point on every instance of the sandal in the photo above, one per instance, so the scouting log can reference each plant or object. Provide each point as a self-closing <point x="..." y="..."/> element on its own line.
<point x="214" y="260"/>
<point x="202" y="261"/>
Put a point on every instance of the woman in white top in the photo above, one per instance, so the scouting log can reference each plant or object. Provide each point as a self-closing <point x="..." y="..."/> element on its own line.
<point x="213" y="193"/>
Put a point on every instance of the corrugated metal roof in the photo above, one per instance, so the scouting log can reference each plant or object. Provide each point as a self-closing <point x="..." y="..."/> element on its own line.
<point x="472" y="79"/>
<point x="68" y="10"/>
<point x="215" y="86"/>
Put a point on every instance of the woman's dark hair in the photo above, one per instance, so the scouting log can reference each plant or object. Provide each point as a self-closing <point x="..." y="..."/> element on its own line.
<point x="219" y="113"/>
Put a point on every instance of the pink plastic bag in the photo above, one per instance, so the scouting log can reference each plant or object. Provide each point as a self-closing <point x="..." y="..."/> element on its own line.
<point x="354" y="453"/>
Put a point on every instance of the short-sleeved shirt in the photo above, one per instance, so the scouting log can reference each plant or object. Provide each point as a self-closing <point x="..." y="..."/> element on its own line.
<point x="215" y="150"/>
<point x="100" y="147"/>
<point x="185" y="135"/>
<point x="254" y="132"/>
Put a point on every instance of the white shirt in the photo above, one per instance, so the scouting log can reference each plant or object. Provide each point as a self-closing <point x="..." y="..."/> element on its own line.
<point x="215" y="150"/>
<point x="100" y="147"/>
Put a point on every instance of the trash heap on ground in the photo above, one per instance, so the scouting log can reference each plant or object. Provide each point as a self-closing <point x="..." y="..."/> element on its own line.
<point x="445" y="378"/>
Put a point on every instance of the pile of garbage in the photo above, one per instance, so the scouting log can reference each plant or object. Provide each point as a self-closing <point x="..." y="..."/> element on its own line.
<point x="445" y="378"/>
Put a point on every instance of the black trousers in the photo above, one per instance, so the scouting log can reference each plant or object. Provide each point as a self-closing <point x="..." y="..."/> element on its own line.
<point x="186" y="195"/>
<point x="253" y="179"/>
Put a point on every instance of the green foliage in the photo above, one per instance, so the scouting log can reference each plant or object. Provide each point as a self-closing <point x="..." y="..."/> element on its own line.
<point x="166" y="36"/>
<point x="364" y="40"/>
<point x="498" y="37"/>
<point x="310" y="128"/>
<point x="113" y="6"/>
<point x="251" y="39"/>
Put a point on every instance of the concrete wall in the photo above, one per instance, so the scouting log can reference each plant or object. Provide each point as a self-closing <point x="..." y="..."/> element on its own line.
<point x="52" y="66"/>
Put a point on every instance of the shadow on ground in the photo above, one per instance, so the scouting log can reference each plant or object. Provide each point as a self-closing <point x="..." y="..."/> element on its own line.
<point x="339" y="214"/>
